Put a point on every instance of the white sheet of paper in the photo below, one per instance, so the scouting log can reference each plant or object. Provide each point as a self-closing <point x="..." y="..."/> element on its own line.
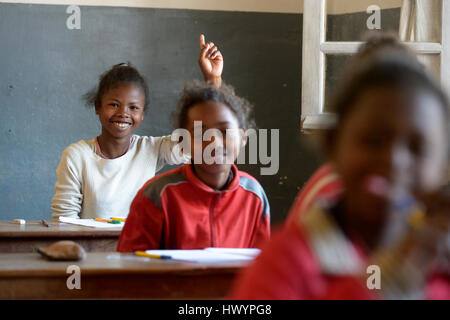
<point x="91" y="223"/>
<point x="200" y="255"/>
<point x="250" y="252"/>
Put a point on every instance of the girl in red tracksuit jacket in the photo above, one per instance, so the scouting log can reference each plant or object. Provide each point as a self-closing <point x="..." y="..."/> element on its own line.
<point x="208" y="203"/>
<point x="383" y="232"/>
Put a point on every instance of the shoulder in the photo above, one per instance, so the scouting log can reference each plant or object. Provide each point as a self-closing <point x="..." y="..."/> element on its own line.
<point x="324" y="184"/>
<point x="288" y="241"/>
<point x="149" y="144"/>
<point x="76" y="151"/>
<point x="279" y="271"/>
<point x="322" y="180"/>
<point x="250" y="184"/>
<point x="149" y="140"/>
<point x="154" y="188"/>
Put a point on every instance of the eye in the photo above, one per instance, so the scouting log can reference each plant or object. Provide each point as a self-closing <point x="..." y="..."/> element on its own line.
<point x="231" y="131"/>
<point x="134" y="107"/>
<point x="114" y="105"/>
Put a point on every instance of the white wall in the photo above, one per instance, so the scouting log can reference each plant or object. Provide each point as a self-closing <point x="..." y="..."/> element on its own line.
<point x="349" y="6"/>
<point x="282" y="6"/>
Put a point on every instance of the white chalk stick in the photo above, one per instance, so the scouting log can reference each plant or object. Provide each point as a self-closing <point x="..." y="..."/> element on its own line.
<point x="19" y="221"/>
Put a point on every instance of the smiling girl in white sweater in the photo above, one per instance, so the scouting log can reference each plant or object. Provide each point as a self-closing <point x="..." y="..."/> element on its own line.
<point x="100" y="177"/>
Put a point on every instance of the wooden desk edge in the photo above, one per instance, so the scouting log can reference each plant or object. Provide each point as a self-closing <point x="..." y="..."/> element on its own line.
<point x="153" y="267"/>
<point x="105" y="272"/>
<point x="89" y="233"/>
<point x="56" y="230"/>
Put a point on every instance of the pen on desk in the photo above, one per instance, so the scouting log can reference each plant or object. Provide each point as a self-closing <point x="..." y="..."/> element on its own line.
<point x="45" y="223"/>
<point x="149" y="255"/>
<point x="118" y="219"/>
<point x="114" y="222"/>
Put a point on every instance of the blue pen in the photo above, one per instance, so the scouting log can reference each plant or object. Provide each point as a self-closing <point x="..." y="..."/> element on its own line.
<point x="154" y="256"/>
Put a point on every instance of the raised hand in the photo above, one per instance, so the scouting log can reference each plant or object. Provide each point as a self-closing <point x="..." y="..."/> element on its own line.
<point x="211" y="62"/>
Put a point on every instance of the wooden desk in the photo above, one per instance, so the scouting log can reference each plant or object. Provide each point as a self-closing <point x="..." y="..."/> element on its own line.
<point x="114" y="276"/>
<point x="15" y="238"/>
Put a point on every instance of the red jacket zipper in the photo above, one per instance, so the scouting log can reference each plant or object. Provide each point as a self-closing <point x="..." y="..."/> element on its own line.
<point x="216" y="197"/>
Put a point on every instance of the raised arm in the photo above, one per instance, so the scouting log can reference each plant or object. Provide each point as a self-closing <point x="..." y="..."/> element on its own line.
<point x="211" y="62"/>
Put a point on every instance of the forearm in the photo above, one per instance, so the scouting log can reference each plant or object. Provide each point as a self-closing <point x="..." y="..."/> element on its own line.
<point x="67" y="200"/>
<point x="217" y="81"/>
<point x="172" y="152"/>
<point x="62" y="208"/>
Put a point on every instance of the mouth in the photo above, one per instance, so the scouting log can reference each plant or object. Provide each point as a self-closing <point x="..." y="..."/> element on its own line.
<point x="383" y="190"/>
<point x="377" y="186"/>
<point x="122" y="125"/>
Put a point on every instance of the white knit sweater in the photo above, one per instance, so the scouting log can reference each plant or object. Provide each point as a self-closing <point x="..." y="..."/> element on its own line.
<point x="89" y="186"/>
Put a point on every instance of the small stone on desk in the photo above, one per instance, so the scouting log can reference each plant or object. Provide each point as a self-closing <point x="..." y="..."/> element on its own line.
<point x="63" y="250"/>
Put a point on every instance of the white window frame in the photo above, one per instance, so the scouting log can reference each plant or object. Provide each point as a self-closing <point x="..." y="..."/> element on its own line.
<point x="315" y="49"/>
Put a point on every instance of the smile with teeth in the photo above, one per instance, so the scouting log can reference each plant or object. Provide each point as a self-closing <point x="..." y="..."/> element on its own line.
<point x="122" y="125"/>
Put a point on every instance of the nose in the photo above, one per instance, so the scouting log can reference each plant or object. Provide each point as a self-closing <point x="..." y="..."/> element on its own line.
<point x="123" y="111"/>
<point x="218" y="140"/>
<point x="213" y="141"/>
<point x="214" y="137"/>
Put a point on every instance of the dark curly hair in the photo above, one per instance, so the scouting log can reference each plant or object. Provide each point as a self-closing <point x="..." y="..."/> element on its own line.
<point x="196" y="92"/>
<point x="119" y="74"/>
<point x="374" y="42"/>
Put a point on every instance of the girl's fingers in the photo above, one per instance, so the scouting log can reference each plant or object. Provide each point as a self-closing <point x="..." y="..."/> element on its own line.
<point x="208" y="50"/>
<point x="202" y="41"/>
<point x="212" y="51"/>
<point x="216" y="55"/>
<point x="204" y="52"/>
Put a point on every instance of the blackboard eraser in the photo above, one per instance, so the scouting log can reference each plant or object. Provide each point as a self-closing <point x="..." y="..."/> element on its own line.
<point x="19" y="221"/>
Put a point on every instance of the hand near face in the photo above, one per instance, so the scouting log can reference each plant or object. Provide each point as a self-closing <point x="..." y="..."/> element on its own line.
<point x="431" y="232"/>
<point x="211" y="62"/>
<point x="438" y="221"/>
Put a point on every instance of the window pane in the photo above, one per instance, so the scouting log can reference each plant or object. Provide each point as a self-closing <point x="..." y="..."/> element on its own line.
<point x="335" y="66"/>
<point x="413" y="20"/>
<point x="432" y="64"/>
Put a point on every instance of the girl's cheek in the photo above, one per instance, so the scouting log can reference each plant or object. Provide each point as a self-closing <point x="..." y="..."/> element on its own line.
<point x="233" y="146"/>
<point x="196" y="144"/>
<point x="432" y="175"/>
<point x="352" y="164"/>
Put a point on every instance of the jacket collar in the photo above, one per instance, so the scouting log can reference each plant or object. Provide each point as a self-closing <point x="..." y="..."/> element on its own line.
<point x="335" y="253"/>
<point x="197" y="183"/>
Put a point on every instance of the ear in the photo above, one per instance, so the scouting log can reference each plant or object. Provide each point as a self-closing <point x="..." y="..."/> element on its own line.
<point x="97" y="108"/>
